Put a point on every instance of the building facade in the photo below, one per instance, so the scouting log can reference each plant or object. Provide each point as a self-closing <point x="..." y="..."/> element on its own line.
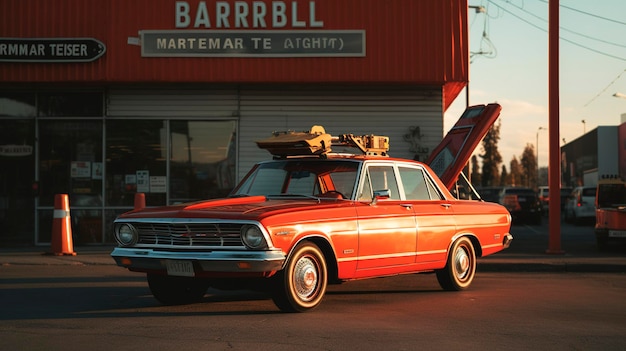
<point x="105" y="99"/>
<point x="599" y="153"/>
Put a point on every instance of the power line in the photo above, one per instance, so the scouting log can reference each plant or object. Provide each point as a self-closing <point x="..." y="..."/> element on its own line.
<point x="574" y="32"/>
<point x="588" y="14"/>
<point x="605" y="88"/>
<point x="545" y="31"/>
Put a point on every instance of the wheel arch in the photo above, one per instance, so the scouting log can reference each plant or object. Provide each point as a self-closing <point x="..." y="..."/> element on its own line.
<point x="328" y="252"/>
<point x="478" y="249"/>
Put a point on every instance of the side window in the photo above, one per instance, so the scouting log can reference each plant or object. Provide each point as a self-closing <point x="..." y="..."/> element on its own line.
<point x="366" y="192"/>
<point x="432" y="189"/>
<point x="383" y="178"/>
<point x="415" y="185"/>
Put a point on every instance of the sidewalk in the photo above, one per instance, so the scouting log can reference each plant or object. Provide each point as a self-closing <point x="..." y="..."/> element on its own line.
<point x="39" y="255"/>
<point x="579" y="253"/>
<point x="526" y="254"/>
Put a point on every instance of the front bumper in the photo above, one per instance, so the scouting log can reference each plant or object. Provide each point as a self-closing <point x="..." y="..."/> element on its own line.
<point x="145" y="260"/>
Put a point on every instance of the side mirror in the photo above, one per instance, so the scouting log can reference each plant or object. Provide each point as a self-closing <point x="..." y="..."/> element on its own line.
<point x="380" y="195"/>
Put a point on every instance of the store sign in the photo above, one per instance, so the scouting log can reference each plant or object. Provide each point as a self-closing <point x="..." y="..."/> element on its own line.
<point x="266" y="43"/>
<point x="50" y="49"/>
<point x="242" y="29"/>
<point x="16" y="150"/>
<point x="223" y="14"/>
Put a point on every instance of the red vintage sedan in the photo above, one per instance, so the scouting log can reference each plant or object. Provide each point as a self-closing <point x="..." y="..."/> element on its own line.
<point x="309" y="218"/>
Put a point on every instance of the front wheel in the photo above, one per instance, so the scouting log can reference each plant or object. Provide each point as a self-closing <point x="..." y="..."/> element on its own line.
<point x="460" y="268"/>
<point x="301" y="285"/>
<point x="171" y="290"/>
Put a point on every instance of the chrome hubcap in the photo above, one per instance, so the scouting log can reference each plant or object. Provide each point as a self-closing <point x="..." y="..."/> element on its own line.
<point x="461" y="263"/>
<point x="305" y="278"/>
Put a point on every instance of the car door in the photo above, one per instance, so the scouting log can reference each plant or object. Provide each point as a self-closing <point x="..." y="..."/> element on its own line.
<point x="387" y="231"/>
<point x="434" y="215"/>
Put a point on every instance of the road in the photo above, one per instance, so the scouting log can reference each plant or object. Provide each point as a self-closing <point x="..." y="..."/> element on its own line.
<point x="103" y="307"/>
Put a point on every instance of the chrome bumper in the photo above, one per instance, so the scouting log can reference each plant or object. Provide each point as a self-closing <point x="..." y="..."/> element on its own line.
<point x="215" y="261"/>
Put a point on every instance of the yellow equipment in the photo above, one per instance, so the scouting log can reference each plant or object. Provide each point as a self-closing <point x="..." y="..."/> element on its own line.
<point x="317" y="142"/>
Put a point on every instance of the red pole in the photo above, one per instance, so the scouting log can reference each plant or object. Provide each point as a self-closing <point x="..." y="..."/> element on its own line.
<point x="554" y="164"/>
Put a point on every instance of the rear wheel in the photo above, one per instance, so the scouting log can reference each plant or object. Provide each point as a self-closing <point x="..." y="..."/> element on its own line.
<point x="300" y="287"/>
<point x="460" y="268"/>
<point x="171" y="290"/>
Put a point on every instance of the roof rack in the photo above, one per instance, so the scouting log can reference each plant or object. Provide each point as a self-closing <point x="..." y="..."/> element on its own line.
<point x="316" y="142"/>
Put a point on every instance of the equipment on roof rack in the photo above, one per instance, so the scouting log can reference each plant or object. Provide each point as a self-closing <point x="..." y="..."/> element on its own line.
<point x="316" y="142"/>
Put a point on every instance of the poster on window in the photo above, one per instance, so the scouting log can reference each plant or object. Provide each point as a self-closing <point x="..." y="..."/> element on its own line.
<point x="96" y="170"/>
<point x="80" y="169"/>
<point x="143" y="181"/>
<point x="157" y="184"/>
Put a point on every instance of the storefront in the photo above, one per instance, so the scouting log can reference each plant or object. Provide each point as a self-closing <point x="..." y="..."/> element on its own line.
<point x="105" y="99"/>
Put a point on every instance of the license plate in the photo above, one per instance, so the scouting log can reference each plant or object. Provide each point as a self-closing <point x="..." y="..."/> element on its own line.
<point x="179" y="268"/>
<point x="617" y="233"/>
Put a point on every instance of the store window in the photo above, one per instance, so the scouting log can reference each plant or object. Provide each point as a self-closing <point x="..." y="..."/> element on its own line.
<point x="17" y="104"/>
<point x="17" y="176"/>
<point x="136" y="161"/>
<point x="70" y="104"/>
<point x="202" y="159"/>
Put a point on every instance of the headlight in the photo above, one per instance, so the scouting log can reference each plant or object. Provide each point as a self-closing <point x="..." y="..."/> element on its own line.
<point x="125" y="234"/>
<point x="253" y="237"/>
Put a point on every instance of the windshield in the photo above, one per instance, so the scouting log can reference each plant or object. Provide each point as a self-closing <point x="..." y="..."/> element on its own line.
<point x="314" y="177"/>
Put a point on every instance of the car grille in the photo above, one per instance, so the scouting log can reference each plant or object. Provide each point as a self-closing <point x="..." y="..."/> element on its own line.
<point x="189" y="234"/>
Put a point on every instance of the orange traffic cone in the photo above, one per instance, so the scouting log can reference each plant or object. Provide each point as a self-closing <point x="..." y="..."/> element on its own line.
<point x="62" y="227"/>
<point x="140" y="201"/>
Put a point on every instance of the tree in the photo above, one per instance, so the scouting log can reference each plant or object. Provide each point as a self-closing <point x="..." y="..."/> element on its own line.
<point x="503" y="176"/>
<point x="529" y="166"/>
<point x="491" y="157"/>
<point x="515" y="178"/>
<point x="475" y="167"/>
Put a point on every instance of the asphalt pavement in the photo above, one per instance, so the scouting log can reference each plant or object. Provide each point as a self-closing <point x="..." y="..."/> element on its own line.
<point x="529" y="252"/>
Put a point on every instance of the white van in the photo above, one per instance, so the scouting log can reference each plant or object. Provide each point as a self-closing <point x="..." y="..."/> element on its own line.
<point x="581" y="205"/>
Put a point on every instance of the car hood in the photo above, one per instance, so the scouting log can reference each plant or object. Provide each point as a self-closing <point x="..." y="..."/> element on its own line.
<point x="246" y="208"/>
<point x="452" y="154"/>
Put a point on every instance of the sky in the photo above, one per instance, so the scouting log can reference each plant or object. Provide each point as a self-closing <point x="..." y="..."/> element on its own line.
<point x="513" y="71"/>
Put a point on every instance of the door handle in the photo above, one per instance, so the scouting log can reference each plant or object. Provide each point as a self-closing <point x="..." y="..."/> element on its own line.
<point x="446" y="205"/>
<point x="407" y="206"/>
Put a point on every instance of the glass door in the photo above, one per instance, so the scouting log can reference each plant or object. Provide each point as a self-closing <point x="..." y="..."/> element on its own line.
<point x="70" y="162"/>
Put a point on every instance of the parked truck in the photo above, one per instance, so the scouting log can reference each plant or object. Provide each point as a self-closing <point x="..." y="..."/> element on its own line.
<point x="610" y="210"/>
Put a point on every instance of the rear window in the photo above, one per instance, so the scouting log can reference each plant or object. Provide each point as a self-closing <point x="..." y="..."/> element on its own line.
<point x="612" y="195"/>
<point x="589" y="192"/>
